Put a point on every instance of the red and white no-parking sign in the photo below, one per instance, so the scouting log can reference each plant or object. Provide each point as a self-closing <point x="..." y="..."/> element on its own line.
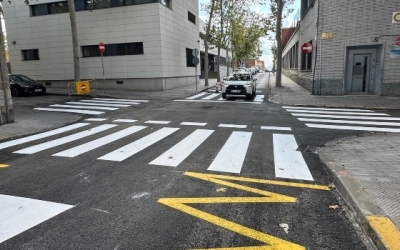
<point x="398" y="41"/>
<point x="83" y="87"/>
<point x="102" y="47"/>
<point x="306" y="48"/>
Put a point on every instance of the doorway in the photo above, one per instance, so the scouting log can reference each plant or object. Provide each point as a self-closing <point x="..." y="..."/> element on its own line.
<point x="360" y="73"/>
<point x="363" y="70"/>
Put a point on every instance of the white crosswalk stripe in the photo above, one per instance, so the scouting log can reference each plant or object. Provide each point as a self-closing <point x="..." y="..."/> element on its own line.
<point x="42" y="135"/>
<point x="137" y="146"/>
<point x="230" y="157"/>
<point x="81" y="149"/>
<point x="289" y="163"/>
<point x="95" y="106"/>
<point x="217" y="97"/>
<point x="345" y="119"/>
<point x="178" y="153"/>
<point x="81" y="107"/>
<point x="19" y="214"/>
<point x="64" y="140"/>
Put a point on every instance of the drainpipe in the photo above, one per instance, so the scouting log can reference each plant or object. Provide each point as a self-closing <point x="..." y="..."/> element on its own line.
<point x="320" y="53"/>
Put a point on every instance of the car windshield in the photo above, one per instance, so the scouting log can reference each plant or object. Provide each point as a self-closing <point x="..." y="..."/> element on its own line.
<point x="239" y="77"/>
<point x="20" y="78"/>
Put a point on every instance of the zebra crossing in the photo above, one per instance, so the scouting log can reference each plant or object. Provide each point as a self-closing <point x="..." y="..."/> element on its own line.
<point x="94" y="106"/>
<point x="345" y="119"/>
<point x="230" y="158"/>
<point x="211" y="96"/>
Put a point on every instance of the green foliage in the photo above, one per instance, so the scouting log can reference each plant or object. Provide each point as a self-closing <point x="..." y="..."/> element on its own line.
<point x="235" y="25"/>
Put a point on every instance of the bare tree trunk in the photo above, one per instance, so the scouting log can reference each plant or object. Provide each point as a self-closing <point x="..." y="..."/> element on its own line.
<point x="220" y="41"/>
<point x="206" y="43"/>
<point x="228" y="62"/>
<point x="9" y="114"/>
<point x="75" y="45"/>
<point x="278" y="81"/>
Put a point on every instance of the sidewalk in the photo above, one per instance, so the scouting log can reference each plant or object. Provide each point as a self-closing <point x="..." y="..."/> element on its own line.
<point x="293" y="94"/>
<point x="366" y="169"/>
<point x="179" y="92"/>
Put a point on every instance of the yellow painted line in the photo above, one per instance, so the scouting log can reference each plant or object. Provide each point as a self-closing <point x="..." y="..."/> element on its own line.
<point x="274" y="243"/>
<point x="387" y="231"/>
<point x="3" y="165"/>
<point x="212" y="177"/>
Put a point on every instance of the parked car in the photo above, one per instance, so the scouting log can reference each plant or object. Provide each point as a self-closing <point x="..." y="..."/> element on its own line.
<point x="23" y="85"/>
<point x="239" y="84"/>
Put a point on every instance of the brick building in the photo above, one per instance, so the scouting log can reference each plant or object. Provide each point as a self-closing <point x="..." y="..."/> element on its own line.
<point x="354" y="48"/>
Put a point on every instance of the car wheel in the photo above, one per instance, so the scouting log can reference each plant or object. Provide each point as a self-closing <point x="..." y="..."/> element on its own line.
<point x="249" y="96"/>
<point x="43" y="92"/>
<point x="223" y="96"/>
<point x="15" y="92"/>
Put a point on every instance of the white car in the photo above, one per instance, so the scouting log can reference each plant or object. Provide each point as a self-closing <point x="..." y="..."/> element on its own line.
<point x="241" y="83"/>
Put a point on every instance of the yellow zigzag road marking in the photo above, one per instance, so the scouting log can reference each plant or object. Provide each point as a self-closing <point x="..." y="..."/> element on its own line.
<point x="274" y="243"/>
<point x="3" y="165"/>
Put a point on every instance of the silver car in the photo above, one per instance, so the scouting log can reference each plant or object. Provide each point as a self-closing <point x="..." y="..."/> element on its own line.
<point x="239" y="84"/>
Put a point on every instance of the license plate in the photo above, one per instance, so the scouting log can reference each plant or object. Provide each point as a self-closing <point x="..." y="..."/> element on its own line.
<point x="235" y="91"/>
<point x="38" y="90"/>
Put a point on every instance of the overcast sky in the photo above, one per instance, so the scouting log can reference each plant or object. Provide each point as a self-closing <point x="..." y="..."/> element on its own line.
<point x="266" y="57"/>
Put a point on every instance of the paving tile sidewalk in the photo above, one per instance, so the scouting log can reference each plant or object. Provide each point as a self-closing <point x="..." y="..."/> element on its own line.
<point x="366" y="169"/>
<point x="293" y="94"/>
<point x="176" y="93"/>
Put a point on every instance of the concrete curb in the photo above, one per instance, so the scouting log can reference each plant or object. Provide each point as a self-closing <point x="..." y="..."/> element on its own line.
<point x="355" y="195"/>
<point x="380" y="108"/>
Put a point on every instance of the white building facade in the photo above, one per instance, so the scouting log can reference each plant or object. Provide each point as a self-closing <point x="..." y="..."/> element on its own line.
<point x="225" y="56"/>
<point x="148" y="42"/>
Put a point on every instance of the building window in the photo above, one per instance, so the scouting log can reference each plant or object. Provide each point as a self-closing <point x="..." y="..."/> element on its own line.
<point x="306" y="60"/>
<point x="60" y="7"/>
<point x="39" y="10"/>
<point x="114" y="49"/>
<point x="189" y="58"/>
<point x="49" y="8"/>
<point x="191" y="17"/>
<point x="30" y="54"/>
<point x="95" y="4"/>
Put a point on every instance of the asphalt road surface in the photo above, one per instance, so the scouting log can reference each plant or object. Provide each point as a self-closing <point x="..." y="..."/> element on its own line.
<point x="191" y="173"/>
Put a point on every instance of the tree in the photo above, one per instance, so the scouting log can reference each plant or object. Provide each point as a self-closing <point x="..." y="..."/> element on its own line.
<point x="277" y="9"/>
<point x="231" y="12"/>
<point x="75" y="45"/>
<point x="4" y="77"/>
<point x="206" y="39"/>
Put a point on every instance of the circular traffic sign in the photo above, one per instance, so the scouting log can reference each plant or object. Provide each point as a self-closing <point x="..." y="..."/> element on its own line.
<point x="102" y="47"/>
<point x="398" y="41"/>
<point x="83" y="87"/>
<point x="195" y="61"/>
<point x="195" y="52"/>
<point x="306" y="48"/>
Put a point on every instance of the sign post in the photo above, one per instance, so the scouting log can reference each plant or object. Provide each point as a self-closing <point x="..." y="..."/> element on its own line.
<point x="195" y="61"/>
<point x="102" y="49"/>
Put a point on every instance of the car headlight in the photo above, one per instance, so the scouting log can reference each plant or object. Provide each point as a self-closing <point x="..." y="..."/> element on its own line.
<point x="247" y="85"/>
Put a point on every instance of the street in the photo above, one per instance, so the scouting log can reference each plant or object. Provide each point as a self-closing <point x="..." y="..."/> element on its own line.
<point x="195" y="172"/>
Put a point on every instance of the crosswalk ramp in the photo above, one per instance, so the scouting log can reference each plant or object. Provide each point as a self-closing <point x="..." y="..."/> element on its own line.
<point x="345" y="119"/>
<point x="94" y="106"/>
<point x="231" y="151"/>
<point x="211" y="96"/>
